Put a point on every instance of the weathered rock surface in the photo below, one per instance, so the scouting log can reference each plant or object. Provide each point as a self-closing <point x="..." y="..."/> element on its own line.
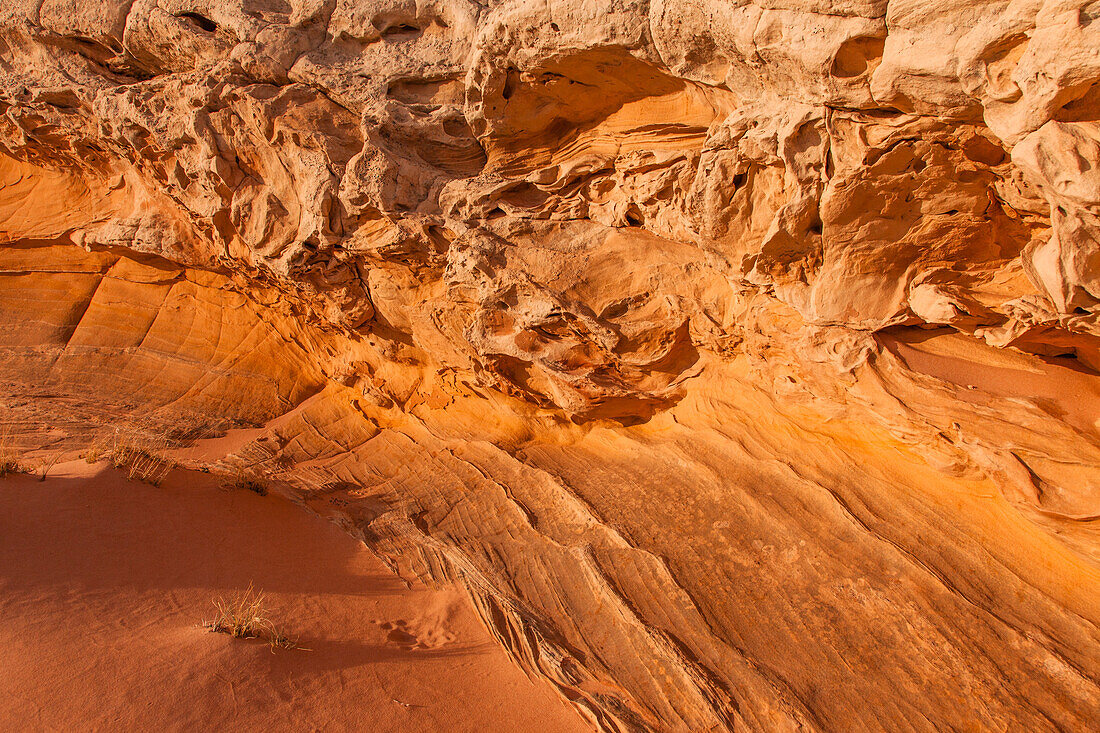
<point x="743" y="358"/>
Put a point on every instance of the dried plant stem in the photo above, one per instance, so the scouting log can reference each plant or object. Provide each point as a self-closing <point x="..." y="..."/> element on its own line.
<point x="140" y="455"/>
<point x="244" y="616"/>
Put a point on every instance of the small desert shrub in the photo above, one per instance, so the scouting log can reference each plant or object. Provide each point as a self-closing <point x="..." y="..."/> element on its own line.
<point x="139" y="454"/>
<point x="244" y="616"/>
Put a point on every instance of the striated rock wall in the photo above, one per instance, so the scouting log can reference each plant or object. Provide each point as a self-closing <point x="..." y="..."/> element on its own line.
<point x="743" y="358"/>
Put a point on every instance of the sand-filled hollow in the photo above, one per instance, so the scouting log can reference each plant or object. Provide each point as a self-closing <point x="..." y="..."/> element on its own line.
<point x="104" y="583"/>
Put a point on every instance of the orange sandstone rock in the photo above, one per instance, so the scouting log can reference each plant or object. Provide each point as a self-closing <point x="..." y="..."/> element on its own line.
<point x="743" y="359"/>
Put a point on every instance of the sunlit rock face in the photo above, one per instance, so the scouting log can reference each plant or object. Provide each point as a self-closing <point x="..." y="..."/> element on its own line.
<point x="742" y="358"/>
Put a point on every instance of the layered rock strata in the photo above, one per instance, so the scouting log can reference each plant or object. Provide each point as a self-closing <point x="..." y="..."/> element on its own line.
<point x="742" y="358"/>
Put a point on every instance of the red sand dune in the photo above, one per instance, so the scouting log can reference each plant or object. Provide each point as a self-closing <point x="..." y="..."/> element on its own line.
<point x="104" y="583"/>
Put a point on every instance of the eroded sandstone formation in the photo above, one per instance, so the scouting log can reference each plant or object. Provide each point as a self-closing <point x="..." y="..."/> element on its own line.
<point x="742" y="358"/>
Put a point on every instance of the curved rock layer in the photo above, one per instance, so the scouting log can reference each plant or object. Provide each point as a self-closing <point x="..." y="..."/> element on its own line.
<point x="742" y="358"/>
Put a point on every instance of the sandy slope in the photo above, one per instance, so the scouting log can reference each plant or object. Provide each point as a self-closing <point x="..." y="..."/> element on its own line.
<point x="103" y="583"/>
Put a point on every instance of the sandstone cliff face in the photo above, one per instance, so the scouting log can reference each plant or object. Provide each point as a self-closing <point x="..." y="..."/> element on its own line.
<point x="743" y="358"/>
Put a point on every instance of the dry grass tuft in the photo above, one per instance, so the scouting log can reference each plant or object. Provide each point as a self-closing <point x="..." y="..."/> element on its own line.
<point x="48" y="463"/>
<point x="244" y="617"/>
<point x="247" y="482"/>
<point x="140" y="455"/>
<point x="9" y="463"/>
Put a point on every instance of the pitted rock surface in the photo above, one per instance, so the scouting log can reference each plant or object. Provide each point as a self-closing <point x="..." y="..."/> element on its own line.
<point x="742" y="357"/>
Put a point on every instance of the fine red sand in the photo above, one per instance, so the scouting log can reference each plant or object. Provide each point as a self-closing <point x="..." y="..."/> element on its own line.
<point x="1058" y="384"/>
<point x="104" y="583"/>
